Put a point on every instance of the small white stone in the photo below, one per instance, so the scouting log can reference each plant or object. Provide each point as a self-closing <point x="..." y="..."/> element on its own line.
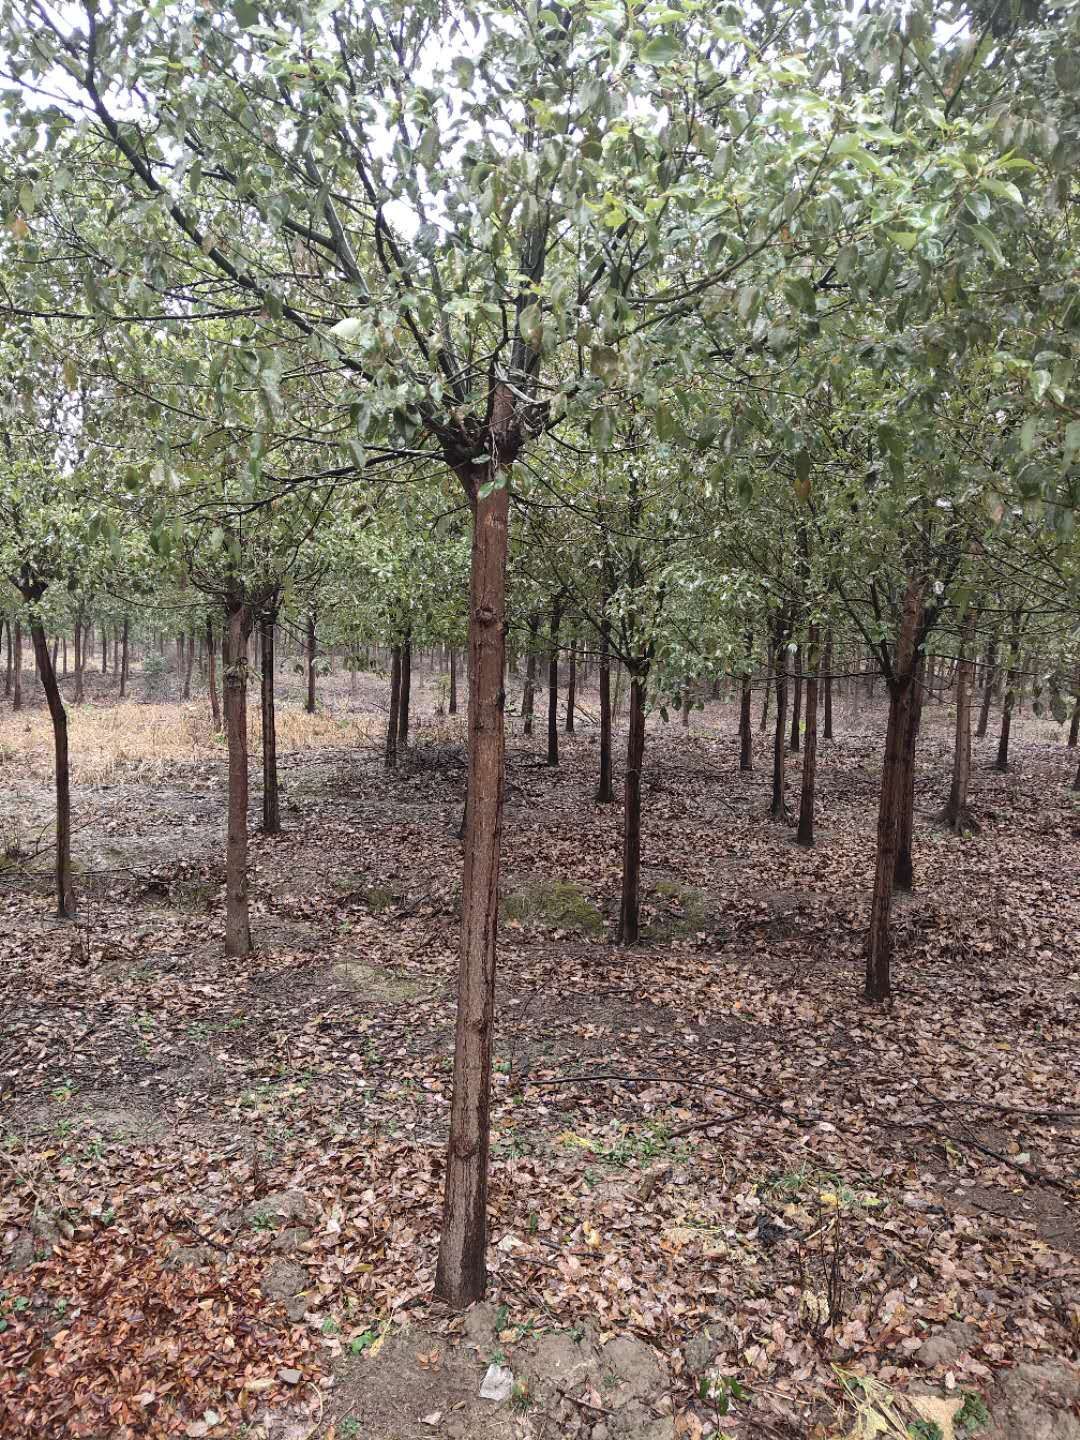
<point x="497" y="1384"/>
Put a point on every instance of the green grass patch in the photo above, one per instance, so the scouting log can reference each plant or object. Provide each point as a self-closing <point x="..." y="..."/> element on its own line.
<point x="557" y="903"/>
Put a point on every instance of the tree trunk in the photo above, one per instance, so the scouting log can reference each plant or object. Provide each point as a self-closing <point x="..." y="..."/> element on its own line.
<point x="805" y="833"/>
<point x="393" y="718"/>
<point x="631" y="866"/>
<point x="1002" y="762"/>
<point x="234" y="672"/>
<point x="1074" y="724"/>
<point x="404" y="696"/>
<point x="989" y="681"/>
<point x="827" y="733"/>
<point x="461" y="1275"/>
<point x="188" y="666"/>
<point x="80" y="660"/>
<point x="904" y="871"/>
<point x="528" y="696"/>
<point x="956" y="809"/>
<point x="452" y="707"/>
<point x="796" y="700"/>
<point x="65" y="653"/>
<point x="116" y="650"/>
<point x="605" y="793"/>
<point x="124" y="660"/>
<point x="778" y="808"/>
<point x="686" y="698"/>
<point x="16" y="693"/>
<point x="104" y="648"/>
<point x="9" y="664"/>
<point x="553" y="686"/>
<point x="65" y="892"/>
<point x="746" y="739"/>
<point x="571" y="688"/>
<point x="271" y="813"/>
<point x="878" y="945"/>
<point x="768" y="687"/>
<point x="309" y="704"/>
<point x="211" y="677"/>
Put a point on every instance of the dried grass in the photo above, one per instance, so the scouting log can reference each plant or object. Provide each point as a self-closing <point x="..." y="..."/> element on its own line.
<point x="131" y="740"/>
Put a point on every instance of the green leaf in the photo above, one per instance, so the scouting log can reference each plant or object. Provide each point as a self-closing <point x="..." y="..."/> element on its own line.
<point x="661" y="50"/>
<point x="602" y="429"/>
<point x="988" y="241"/>
<point x="905" y="239"/>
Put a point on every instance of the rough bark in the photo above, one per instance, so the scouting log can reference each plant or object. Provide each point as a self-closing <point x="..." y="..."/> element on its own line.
<point x="271" y="808"/>
<point x="768" y="687"/>
<point x="125" y="659"/>
<point x="404" y="696"/>
<point x="1009" y="700"/>
<point x="211" y="674"/>
<point x="9" y="665"/>
<point x="904" y="871"/>
<point x="309" y="703"/>
<point x="827" y="729"/>
<point x="65" y="892"/>
<point x="956" y="813"/>
<point x="528" y="697"/>
<point x="461" y="1275"/>
<point x="989" y="682"/>
<point x="778" y="808"/>
<point x="686" y="698"/>
<point x="805" y="833"/>
<point x="452" y="707"/>
<point x="16" y="688"/>
<point x="104" y="648"/>
<point x="605" y="793"/>
<point x="553" y="686"/>
<point x="878" y="946"/>
<point x="629" y="906"/>
<point x="796" y="701"/>
<point x="80" y="660"/>
<point x="571" y="688"/>
<point x="234" y="683"/>
<point x="189" y="664"/>
<point x="746" y="739"/>
<point x="393" y="718"/>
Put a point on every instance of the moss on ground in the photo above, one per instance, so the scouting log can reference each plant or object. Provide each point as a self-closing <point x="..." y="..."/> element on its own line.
<point x="558" y="903"/>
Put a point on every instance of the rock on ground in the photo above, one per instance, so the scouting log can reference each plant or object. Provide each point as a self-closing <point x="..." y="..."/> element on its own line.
<point x="1036" y="1402"/>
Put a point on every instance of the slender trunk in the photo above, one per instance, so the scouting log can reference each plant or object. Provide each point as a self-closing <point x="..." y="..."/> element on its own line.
<point x="805" y="833"/>
<point x="605" y="793"/>
<point x="629" y="918"/>
<point x="1074" y="724"/>
<point x="53" y="652"/>
<point x="104" y="649"/>
<point x="571" y="688"/>
<point x="878" y="945"/>
<point x="778" y="809"/>
<point x="768" y="687"/>
<point x="904" y="871"/>
<point x="461" y="1275"/>
<point x="188" y="666"/>
<point x="528" y="696"/>
<point x="796" y="700"/>
<point x="65" y="654"/>
<point x="553" y="686"/>
<point x="956" y="809"/>
<point x="65" y="892"/>
<point x="211" y="678"/>
<point x="80" y="660"/>
<point x="404" y="696"/>
<point x="394" y="717"/>
<point x="1002" y="762"/>
<point x="827" y="733"/>
<point x="686" y="697"/>
<point x="746" y="738"/>
<point x="116" y="650"/>
<point x="452" y="707"/>
<point x="271" y="821"/>
<point x="1076" y="778"/>
<point x="16" y="694"/>
<point x="125" y="658"/>
<point x="234" y="673"/>
<point x="309" y="704"/>
<point x="9" y="665"/>
<point x="989" y="681"/>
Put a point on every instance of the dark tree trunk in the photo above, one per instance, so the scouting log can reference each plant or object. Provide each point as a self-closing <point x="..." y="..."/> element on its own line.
<point x="9" y="663"/>
<point x="309" y="703"/>
<point x="1074" y="724"/>
<point x="878" y="945"/>
<point x="778" y="808"/>
<point x="904" y="872"/>
<point x="80" y="660"/>
<point x="686" y="698"/>
<point x="956" y="813"/>
<point x="1002" y="762"/>
<point x="605" y="793"/>
<point x="234" y="683"/>
<point x="125" y="660"/>
<point x="104" y="648"/>
<point x="271" y="811"/>
<point x="629" y="918"/>
<point x="65" y="654"/>
<point x="452" y="707"/>
<point x="805" y="833"/>
<point x="796" y="700"/>
<point x="116" y="650"/>
<point x="461" y="1275"/>
<point x="16" y="691"/>
<point x="827" y="733"/>
<point x="553" y="686"/>
<point x="989" y="681"/>
<point x="768" y="687"/>
<point x="746" y="739"/>
<point x="65" y="893"/>
<point x="211" y="676"/>
<point x="571" y="688"/>
<point x="393" y="718"/>
<point x="405" y="697"/>
<point x="528" y="697"/>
